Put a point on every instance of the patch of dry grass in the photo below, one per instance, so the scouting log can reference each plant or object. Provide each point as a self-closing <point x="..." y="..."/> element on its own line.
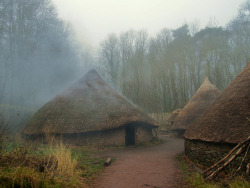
<point x="46" y="166"/>
<point x="60" y="161"/>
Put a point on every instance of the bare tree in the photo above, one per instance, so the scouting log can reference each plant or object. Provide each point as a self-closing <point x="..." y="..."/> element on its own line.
<point x="109" y="57"/>
<point x="162" y="73"/>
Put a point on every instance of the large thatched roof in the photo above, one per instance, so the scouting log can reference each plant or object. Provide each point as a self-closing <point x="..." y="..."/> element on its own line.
<point x="88" y="105"/>
<point x="226" y="119"/>
<point x="204" y="96"/>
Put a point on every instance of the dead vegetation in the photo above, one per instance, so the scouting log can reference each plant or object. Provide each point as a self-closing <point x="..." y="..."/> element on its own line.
<point x="32" y="166"/>
<point x="25" y="164"/>
<point x="60" y="161"/>
<point x="213" y="171"/>
<point x="193" y="177"/>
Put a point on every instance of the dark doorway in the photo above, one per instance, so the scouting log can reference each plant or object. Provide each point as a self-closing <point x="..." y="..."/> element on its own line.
<point x="130" y="135"/>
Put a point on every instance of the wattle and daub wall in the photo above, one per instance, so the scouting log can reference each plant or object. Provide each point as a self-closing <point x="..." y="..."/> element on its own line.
<point x="208" y="153"/>
<point x="108" y="137"/>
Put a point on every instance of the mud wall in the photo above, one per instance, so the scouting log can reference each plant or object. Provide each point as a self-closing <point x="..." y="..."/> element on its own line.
<point x="109" y="137"/>
<point x="143" y="135"/>
<point x="115" y="137"/>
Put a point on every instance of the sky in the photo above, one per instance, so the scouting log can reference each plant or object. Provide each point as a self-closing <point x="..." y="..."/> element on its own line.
<point x="93" y="20"/>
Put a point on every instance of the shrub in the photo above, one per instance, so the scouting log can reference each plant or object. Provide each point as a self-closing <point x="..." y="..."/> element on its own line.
<point x="60" y="161"/>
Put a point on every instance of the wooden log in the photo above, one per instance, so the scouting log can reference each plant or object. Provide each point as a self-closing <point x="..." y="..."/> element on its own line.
<point x="227" y="156"/>
<point x="241" y="161"/>
<point x="213" y="174"/>
<point x="107" y="162"/>
<point x="248" y="169"/>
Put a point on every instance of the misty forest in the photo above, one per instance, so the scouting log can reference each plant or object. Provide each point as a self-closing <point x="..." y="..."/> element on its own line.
<point x="40" y="57"/>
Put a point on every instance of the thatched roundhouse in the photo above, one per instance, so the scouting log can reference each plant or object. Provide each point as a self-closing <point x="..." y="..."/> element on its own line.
<point x="223" y="125"/>
<point x="205" y="95"/>
<point x="91" y="111"/>
<point x="173" y="115"/>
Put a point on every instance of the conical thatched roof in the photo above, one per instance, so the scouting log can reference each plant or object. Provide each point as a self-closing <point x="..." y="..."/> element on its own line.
<point x="226" y="119"/>
<point x="204" y="96"/>
<point x="88" y="105"/>
<point x="173" y="115"/>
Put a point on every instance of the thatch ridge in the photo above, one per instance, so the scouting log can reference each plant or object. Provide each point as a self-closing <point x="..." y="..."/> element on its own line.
<point x="88" y="105"/>
<point x="225" y="121"/>
<point x="205" y="95"/>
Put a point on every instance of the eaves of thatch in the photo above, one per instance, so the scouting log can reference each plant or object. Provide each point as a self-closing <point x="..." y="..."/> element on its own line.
<point x="88" y="105"/>
<point x="227" y="120"/>
<point x="205" y="95"/>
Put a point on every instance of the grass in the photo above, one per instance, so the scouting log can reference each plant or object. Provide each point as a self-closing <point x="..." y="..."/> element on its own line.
<point x="194" y="179"/>
<point x="90" y="163"/>
<point x="60" y="162"/>
<point x="53" y="165"/>
<point x="20" y="177"/>
<point x="29" y="164"/>
<point x="239" y="183"/>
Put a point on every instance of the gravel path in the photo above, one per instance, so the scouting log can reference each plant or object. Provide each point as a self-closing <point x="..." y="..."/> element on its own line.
<point x="151" y="167"/>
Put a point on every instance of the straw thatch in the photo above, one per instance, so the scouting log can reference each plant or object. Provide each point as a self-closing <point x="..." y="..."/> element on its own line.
<point x="204" y="96"/>
<point x="226" y="119"/>
<point x="88" y="105"/>
<point x="173" y="115"/>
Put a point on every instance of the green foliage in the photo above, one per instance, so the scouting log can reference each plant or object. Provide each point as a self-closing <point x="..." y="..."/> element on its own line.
<point x="239" y="183"/>
<point x="193" y="179"/>
<point x="196" y="180"/>
<point x="90" y="163"/>
<point x="182" y="164"/>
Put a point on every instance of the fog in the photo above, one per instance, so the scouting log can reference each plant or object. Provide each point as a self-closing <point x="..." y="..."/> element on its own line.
<point x="155" y="53"/>
<point x="97" y="18"/>
<point x="39" y="56"/>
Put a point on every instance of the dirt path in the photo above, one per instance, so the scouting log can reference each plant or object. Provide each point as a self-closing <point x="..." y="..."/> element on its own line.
<point x="154" y="166"/>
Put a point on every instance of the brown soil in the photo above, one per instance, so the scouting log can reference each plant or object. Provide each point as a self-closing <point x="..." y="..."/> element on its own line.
<point x="152" y="167"/>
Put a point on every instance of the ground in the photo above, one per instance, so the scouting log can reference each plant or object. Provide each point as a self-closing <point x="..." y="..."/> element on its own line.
<point x="150" y="166"/>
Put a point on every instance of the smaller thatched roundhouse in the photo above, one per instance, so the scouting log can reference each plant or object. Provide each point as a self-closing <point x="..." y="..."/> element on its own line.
<point x="173" y="115"/>
<point x="223" y="125"/>
<point x="205" y="95"/>
<point x="91" y="112"/>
